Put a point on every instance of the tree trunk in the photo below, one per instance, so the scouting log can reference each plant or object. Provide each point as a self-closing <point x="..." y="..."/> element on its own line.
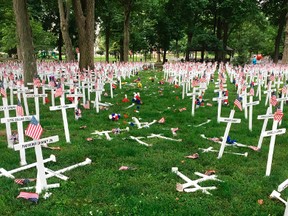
<point x="202" y="55"/>
<point x="164" y="56"/>
<point x="25" y="39"/>
<point x="64" y="25"/>
<point x="189" y="42"/>
<point x="19" y="53"/>
<point x="158" y="55"/>
<point x="85" y="22"/>
<point x="177" y="48"/>
<point x="219" y="36"/>
<point x="121" y="50"/>
<point x="225" y="39"/>
<point x="278" y="38"/>
<point x="107" y="42"/>
<point x="60" y="44"/>
<point x="126" y="37"/>
<point x="285" y="52"/>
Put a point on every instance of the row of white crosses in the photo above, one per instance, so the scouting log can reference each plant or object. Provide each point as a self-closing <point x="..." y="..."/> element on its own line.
<point x="277" y="117"/>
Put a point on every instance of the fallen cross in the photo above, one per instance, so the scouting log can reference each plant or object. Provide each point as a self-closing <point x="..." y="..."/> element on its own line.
<point x="106" y="133"/>
<point x="142" y="124"/>
<point x="41" y="183"/>
<point x="203" y="123"/>
<point x="276" y="195"/>
<point x="139" y="141"/>
<point x="195" y="183"/>
<point x="10" y="173"/>
<point x="163" y="137"/>
<point x="210" y="149"/>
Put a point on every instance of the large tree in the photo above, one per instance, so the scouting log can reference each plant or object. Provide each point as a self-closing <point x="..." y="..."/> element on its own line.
<point x="85" y="21"/>
<point x="276" y="11"/>
<point x="24" y="33"/>
<point x="64" y="11"/>
<point x="127" y="6"/>
<point x="285" y="52"/>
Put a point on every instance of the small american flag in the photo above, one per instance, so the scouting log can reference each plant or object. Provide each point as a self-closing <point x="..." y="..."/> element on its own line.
<point x="278" y="115"/>
<point x="11" y="76"/>
<point x="19" y="109"/>
<point x="86" y="105"/>
<point x="37" y="82"/>
<point x="23" y="181"/>
<point x="237" y="103"/>
<point x="3" y="92"/>
<point x="195" y="82"/>
<point x="182" y="109"/>
<point x="273" y="100"/>
<point x="34" y="129"/>
<point x="58" y="91"/>
<point x="29" y="196"/>
<point x="162" y="120"/>
<point x="202" y="79"/>
<point x="173" y="130"/>
<point x="251" y="92"/>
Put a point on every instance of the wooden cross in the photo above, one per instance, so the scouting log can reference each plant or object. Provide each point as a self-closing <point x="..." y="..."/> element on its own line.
<point x="6" y="109"/>
<point x="19" y="121"/>
<point x="229" y="121"/>
<point x="41" y="183"/>
<point x="273" y="134"/>
<point x="36" y="100"/>
<point x="266" y="117"/>
<point x="63" y="108"/>
<point x="250" y="105"/>
<point x="219" y="99"/>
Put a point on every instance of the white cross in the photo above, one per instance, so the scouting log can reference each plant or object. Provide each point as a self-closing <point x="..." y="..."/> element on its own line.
<point x="229" y="121"/>
<point x="273" y="134"/>
<point x="6" y="109"/>
<point x="41" y="183"/>
<point x="63" y="108"/>
<point x="20" y="132"/>
<point x="36" y="100"/>
<point x="266" y="117"/>
<point x="219" y="99"/>
<point x="250" y="105"/>
<point x="193" y="94"/>
<point x="194" y="183"/>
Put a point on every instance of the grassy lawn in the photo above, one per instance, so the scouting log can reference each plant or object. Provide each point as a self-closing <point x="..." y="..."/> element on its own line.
<point x="150" y="189"/>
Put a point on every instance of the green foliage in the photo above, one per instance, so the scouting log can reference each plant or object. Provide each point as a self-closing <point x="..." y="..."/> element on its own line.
<point x="101" y="189"/>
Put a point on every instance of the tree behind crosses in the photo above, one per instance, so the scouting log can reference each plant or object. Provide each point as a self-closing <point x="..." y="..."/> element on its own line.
<point x="24" y="33"/>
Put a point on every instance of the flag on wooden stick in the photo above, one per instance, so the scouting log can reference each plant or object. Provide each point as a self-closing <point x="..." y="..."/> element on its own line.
<point x="237" y="103"/>
<point x="33" y="197"/>
<point x="19" y="109"/>
<point x="278" y="115"/>
<point x="34" y="129"/>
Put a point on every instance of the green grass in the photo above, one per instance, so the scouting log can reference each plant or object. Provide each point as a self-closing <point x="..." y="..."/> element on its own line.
<point x="102" y="189"/>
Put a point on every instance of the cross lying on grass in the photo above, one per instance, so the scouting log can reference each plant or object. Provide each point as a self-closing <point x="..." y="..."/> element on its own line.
<point x="194" y="183"/>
